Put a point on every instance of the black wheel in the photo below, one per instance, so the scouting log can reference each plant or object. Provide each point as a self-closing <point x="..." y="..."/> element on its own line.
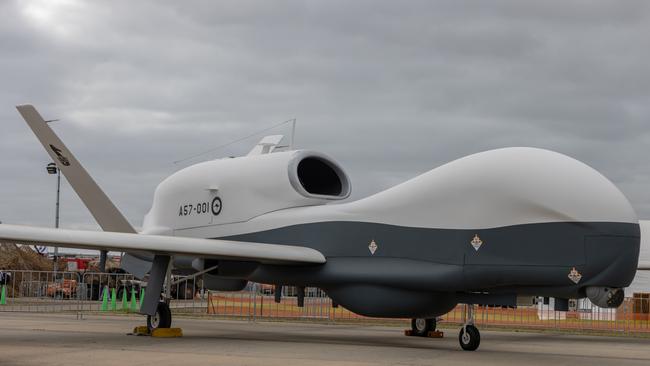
<point x="469" y="338"/>
<point x="421" y="327"/>
<point x="162" y="318"/>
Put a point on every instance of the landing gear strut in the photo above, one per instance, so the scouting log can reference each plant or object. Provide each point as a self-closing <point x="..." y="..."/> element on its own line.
<point x="469" y="336"/>
<point x="158" y="313"/>
<point x="421" y="327"/>
<point x="162" y="318"/>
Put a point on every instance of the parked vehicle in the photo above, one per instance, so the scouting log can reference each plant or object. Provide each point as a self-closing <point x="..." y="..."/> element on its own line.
<point x="62" y="289"/>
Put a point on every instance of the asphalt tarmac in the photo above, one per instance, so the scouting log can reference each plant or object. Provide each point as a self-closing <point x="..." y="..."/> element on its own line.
<point x="59" y="339"/>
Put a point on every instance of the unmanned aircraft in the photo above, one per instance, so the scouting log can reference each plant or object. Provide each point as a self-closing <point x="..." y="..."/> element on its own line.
<point x="485" y="229"/>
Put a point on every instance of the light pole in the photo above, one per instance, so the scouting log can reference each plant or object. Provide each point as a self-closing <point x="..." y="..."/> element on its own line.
<point x="53" y="169"/>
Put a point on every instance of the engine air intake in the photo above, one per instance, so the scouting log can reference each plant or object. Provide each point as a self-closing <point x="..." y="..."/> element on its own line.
<point x="317" y="176"/>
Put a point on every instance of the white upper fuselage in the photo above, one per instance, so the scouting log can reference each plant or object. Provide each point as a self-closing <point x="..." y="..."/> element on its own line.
<point x="491" y="189"/>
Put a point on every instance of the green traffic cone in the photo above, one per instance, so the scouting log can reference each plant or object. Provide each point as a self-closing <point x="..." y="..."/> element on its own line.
<point x="3" y="295"/>
<point x="113" y="300"/>
<point x="124" y="302"/>
<point x="134" y="303"/>
<point x="104" y="299"/>
<point x="141" y="295"/>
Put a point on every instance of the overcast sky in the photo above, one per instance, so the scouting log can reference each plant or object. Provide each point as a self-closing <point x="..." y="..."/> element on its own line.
<point x="390" y="89"/>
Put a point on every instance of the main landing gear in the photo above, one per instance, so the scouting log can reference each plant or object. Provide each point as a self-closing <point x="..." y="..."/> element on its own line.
<point x="469" y="336"/>
<point x="162" y="318"/>
<point x="421" y="327"/>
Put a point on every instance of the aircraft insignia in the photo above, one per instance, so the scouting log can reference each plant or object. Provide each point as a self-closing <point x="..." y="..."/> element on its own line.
<point x="574" y="275"/>
<point x="476" y="242"/>
<point x="373" y="247"/>
<point x="62" y="159"/>
<point x="216" y="206"/>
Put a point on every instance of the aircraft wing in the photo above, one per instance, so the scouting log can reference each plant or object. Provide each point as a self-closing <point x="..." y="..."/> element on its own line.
<point x="643" y="266"/>
<point x="161" y="245"/>
<point x="107" y="215"/>
<point x="100" y="206"/>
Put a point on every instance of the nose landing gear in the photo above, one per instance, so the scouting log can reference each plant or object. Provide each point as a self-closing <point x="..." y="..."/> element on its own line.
<point x="469" y="336"/>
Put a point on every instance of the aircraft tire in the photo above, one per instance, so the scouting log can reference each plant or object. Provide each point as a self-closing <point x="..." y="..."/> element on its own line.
<point x="469" y="338"/>
<point x="421" y="327"/>
<point x="162" y="318"/>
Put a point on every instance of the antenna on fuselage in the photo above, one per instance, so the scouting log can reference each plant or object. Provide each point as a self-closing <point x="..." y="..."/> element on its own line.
<point x="291" y="144"/>
<point x="194" y="156"/>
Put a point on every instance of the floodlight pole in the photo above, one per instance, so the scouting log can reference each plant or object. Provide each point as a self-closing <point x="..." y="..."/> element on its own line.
<point x="52" y="168"/>
<point x="58" y="195"/>
<point x="56" y="217"/>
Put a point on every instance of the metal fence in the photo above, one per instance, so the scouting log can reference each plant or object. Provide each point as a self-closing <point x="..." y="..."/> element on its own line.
<point x="80" y="293"/>
<point x="258" y="302"/>
<point x="38" y="291"/>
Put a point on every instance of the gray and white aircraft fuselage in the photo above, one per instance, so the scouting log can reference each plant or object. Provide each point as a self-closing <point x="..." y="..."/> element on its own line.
<point x="483" y="229"/>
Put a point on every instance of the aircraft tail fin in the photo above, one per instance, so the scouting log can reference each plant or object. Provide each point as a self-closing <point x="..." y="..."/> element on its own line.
<point x="99" y="205"/>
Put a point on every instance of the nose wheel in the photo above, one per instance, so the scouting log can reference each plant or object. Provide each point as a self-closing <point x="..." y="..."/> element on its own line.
<point x="469" y="336"/>
<point x="161" y="319"/>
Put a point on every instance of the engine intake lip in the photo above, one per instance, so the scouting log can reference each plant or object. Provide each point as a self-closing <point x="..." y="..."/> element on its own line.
<point x="318" y="184"/>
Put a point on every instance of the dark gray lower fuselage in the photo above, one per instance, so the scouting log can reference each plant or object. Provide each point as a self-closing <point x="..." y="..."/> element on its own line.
<point x="423" y="272"/>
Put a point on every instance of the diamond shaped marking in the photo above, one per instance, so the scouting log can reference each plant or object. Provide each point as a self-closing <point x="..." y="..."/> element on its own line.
<point x="574" y="275"/>
<point x="372" y="247"/>
<point x="476" y="242"/>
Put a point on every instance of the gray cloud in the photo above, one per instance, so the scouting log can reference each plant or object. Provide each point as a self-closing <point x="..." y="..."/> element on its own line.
<point x="390" y="89"/>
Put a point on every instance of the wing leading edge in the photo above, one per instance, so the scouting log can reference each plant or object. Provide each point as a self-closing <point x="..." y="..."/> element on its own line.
<point x="163" y="245"/>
